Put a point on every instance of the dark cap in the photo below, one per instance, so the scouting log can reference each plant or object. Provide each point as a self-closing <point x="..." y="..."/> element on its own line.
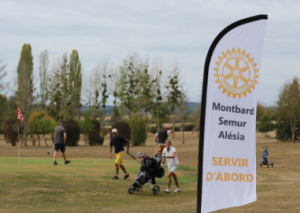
<point x="62" y="122"/>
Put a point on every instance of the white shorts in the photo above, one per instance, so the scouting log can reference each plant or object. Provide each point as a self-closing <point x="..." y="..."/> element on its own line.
<point x="172" y="169"/>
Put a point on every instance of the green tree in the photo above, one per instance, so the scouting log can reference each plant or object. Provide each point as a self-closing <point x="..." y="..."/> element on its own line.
<point x="40" y="123"/>
<point x="265" y="124"/>
<point x="86" y="125"/>
<point x="129" y="89"/>
<point x="159" y="110"/>
<point x="24" y="93"/>
<point x="3" y="111"/>
<point x="138" y="126"/>
<point x="260" y="111"/>
<point x="59" y="89"/>
<point x="288" y="104"/>
<point x="75" y="83"/>
<point x="105" y="69"/>
<point x="195" y="119"/>
<point x="43" y="73"/>
<point x="174" y="95"/>
<point x="161" y="115"/>
<point x="94" y="136"/>
<point x="73" y="132"/>
<point x="3" y="73"/>
<point x="11" y="129"/>
<point x="147" y="84"/>
<point x="115" y="78"/>
<point x="183" y="112"/>
<point x="11" y="108"/>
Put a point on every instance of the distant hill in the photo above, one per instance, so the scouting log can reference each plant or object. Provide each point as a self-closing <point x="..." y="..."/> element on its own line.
<point x="109" y="108"/>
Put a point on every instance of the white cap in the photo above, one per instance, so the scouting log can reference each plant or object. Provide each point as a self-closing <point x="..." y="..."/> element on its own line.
<point x="114" y="130"/>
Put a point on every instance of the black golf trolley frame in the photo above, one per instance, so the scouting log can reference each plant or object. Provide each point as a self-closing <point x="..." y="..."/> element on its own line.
<point x="136" y="186"/>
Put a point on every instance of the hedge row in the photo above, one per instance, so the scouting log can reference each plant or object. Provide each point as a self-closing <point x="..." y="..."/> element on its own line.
<point x="187" y="127"/>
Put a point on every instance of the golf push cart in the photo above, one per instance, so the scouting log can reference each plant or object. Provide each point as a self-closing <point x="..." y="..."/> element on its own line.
<point x="150" y="169"/>
<point x="265" y="156"/>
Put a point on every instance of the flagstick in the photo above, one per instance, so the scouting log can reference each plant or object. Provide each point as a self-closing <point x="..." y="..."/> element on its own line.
<point x="18" y="143"/>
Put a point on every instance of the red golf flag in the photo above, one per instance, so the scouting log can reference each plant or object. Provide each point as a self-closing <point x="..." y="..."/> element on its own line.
<point x="20" y="116"/>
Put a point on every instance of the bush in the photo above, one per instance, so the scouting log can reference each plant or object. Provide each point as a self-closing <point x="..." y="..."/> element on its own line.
<point x="267" y="136"/>
<point x="94" y="135"/>
<point x="177" y="129"/>
<point x="138" y="130"/>
<point x="123" y="129"/>
<point x="10" y="130"/>
<point x="86" y="126"/>
<point x="73" y="132"/>
<point x="283" y="130"/>
<point x="40" y="123"/>
<point x="189" y="127"/>
<point x="153" y="129"/>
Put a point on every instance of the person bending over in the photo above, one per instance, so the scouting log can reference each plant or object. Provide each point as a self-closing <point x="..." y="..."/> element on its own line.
<point x="118" y="141"/>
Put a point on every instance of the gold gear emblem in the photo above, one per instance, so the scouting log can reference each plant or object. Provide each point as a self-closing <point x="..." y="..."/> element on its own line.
<point x="236" y="73"/>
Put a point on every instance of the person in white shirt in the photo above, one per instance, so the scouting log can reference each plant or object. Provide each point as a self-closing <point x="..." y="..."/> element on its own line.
<point x="170" y="153"/>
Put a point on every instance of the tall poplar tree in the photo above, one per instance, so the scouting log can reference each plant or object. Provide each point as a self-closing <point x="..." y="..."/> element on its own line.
<point x="174" y="95"/>
<point x="3" y="73"/>
<point x="105" y="70"/>
<point x="43" y="73"/>
<point x="75" y="83"/>
<point x="24" y="93"/>
<point x="59" y="89"/>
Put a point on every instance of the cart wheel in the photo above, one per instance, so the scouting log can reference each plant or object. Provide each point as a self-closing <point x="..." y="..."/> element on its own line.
<point x="260" y="165"/>
<point x="272" y="164"/>
<point x="156" y="190"/>
<point x="268" y="165"/>
<point x="131" y="189"/>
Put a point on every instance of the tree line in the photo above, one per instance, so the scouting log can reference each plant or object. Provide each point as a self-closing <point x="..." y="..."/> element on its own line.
<point x="58" y="90"/>
<point x="284" y="117"/>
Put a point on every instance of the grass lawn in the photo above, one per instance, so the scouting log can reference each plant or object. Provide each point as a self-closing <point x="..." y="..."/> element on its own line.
<point x="86" y="185"/>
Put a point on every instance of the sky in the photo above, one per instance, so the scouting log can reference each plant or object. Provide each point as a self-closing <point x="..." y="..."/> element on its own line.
<point x="174" y="31"/>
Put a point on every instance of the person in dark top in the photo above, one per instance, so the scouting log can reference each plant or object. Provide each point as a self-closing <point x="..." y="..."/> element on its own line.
<point x="60" y="137"/>
<point x="160" y="140"/>
<point x="118" y="142"/>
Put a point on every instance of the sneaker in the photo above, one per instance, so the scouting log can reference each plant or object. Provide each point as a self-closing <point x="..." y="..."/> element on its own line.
<point x="177" y="190"/>
<point x="126" y="176"/>
<point x="55" y="163"/>
<point x="115" y="177"/>
<point x="167" y="190"/>
<point x="67" y="162"/>
<point x="164" y="165"/>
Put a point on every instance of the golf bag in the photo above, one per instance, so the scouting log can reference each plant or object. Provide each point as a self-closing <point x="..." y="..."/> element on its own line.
<point x="149" y="170"/>
<point x="265" y="156"/>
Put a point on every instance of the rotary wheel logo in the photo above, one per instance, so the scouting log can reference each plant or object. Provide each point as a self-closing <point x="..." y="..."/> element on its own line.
<point x="236" y="73"/>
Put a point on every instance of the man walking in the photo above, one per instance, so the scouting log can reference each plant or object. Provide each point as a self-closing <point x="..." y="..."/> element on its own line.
<point x="118" y="142"/>
<point x="60" y="137"/>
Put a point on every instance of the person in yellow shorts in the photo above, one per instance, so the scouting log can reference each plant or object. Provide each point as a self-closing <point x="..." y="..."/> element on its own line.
<point x="118" y="142"/>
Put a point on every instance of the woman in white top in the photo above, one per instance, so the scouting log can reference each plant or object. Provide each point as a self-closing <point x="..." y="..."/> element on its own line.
<point x="170" y="153"/>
